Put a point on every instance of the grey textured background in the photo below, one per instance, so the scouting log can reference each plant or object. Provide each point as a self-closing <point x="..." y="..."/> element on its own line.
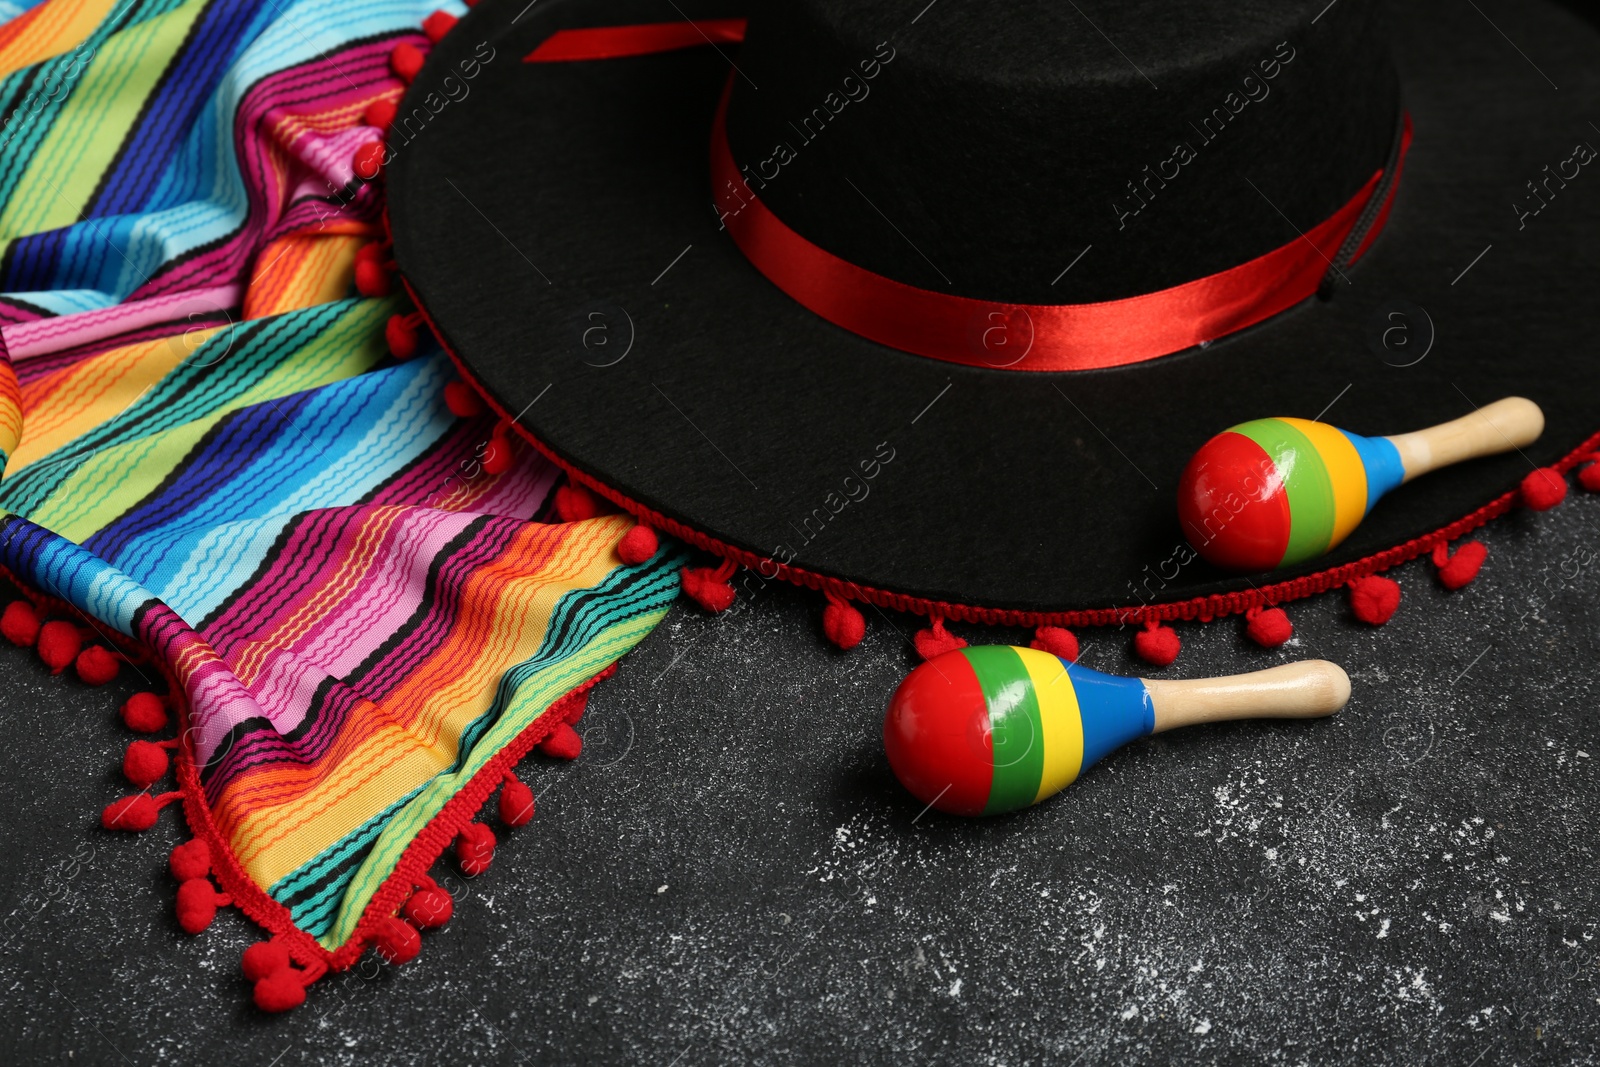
<point x="730" y="873"/>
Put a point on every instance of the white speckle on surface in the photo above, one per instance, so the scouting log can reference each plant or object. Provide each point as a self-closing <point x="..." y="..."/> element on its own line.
<point x="1383" y="928"/>
<point x="1203" y="1026"/>
<point x="660" y="889"/>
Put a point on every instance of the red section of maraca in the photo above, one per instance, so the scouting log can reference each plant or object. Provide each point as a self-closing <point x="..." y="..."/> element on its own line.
<point x="1233" y="506"/>
<point x="938" y="738"/>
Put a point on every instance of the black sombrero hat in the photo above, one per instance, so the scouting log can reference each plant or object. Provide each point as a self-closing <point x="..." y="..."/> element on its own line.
<point x="928" y="304"/>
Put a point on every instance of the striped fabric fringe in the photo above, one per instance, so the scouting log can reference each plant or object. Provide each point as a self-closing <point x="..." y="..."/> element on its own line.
<point x="214" y="464"/>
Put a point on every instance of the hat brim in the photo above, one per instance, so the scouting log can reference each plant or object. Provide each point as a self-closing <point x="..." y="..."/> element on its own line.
<point x="554" y="224"/>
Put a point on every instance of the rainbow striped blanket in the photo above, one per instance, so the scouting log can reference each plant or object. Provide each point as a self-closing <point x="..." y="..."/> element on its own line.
<point x="211" y="454"/>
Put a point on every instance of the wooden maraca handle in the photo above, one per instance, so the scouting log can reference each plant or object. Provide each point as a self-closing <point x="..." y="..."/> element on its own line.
<point x="1294" y="691"/>
<point x="1506" y="424"/>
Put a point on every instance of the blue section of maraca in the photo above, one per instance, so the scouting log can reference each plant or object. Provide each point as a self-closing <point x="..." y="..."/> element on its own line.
<point x="1114" y="711"/>
<point x="1382" y="461"/>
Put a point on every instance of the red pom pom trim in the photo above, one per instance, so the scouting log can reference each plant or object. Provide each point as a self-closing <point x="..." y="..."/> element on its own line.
<point x="59" y="645"/>
<point x="368" y="160"/>
<point x="708" y="586"/>
<point x="1269" y="627"/>
<point x="137" y="813"/>
<point x="574" y="503"/>
<point x="1544" y="488"/>
<point x="497" y="455"/>
<point x="403" y="336"/>
<point x="97" y="665"/>
<point x="145" y="763"/>
<point x="463" y="401"/>
<point x="144" y="713"/>
<point x="1056" y="640"/>
<point x="842" y="623"/>
<point x="430" y="906"/>
<point x="264" y="958"/>
<point x="475" y="848"/>
<point x="1374" y="599"/>
<point x="406" y="61"/>
<point x="638" y="545"/>
<point x="1156" y="644"/>
<point x="563" y="743"/>
<point x="192" y="859"/>
<point x="198" y="901"/>
<point x="936" y="640"/>
<point x="397" y="941"/>
<point x="380" y="113"/>
<point x="516" y="801"/>
<point x="437" y="25"/>
<point x="20" y="623"/>
<point x="372" y="278"/>
<point x="1461" y="568"/>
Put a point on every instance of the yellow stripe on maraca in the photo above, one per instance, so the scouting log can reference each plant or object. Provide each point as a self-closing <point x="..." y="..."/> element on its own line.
<point x="1347" y="475"/>
<point x="1060" y="720"/>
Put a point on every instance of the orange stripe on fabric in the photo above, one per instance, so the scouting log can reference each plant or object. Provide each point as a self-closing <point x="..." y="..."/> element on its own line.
<point x="403" y="706"/>
<point x="51" y="29"/>
<point x="443" y="698"/>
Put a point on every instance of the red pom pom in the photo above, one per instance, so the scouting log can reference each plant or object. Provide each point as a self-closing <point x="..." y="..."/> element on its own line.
<point x="197" y="905"/>
<point x="563" y="743"/>
<point x="1457" y="570"/>
<point x="1589" y="477"/>
<point x="474" y="849"/>
<point x="1157" y="644"/>
<point x="372" y="278"/>
<point x="430" y="906"/>
<point x="135" y="814"/>
<point x="708" y="586"/>
<point x="380" y="113"/>
<point x="401" y="337"/>
<point x="437" y="25"/>
<point x="144" y="713"/>
<point x="397" y="941"/>
<point x="516" y="802"/>
<point x="638" y="545"/>
<point x="936" y="640"/>
<point x="1374" y="599"/>
<point x="1268" y="627"/>
<point x="1057" y="641"/>
<point x="97" y="665"/>
<point x="463" y="401"/>
<point x="20" y="623"/>
<point x="368" y="160"/>
<point x="1544" y="488"/>
<point x="192" y="859"/>
<point x="574" y="503"/>
<point x="497" y="456"/>
<point x="842" y="623"/>
<point x="280" y="991"/>
<point x="264" y="959"/>
<point x="59" y="644"/>
<point x="406" y="61"/>
<point x="145" y="763"/>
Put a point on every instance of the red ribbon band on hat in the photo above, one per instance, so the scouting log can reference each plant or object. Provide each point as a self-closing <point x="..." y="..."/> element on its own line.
<point x="619" y="42"/>
<point x="986" y="333"/>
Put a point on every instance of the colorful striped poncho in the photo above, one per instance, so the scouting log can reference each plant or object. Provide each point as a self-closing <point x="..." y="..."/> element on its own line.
<point x="211" y="452"/>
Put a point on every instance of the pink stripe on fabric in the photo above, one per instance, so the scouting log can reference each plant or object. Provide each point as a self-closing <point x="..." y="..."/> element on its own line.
<point x="43" y="337"/>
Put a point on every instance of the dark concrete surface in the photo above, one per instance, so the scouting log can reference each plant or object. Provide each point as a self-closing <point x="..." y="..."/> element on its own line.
<point x="730" y="873"/>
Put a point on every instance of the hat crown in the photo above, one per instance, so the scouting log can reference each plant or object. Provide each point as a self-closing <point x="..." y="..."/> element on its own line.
<point x="981" y="149"/>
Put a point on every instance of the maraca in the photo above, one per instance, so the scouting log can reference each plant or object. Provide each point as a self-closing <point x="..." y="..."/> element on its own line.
<point x="992" y="728"/>
<point x="1275" y="492"/>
